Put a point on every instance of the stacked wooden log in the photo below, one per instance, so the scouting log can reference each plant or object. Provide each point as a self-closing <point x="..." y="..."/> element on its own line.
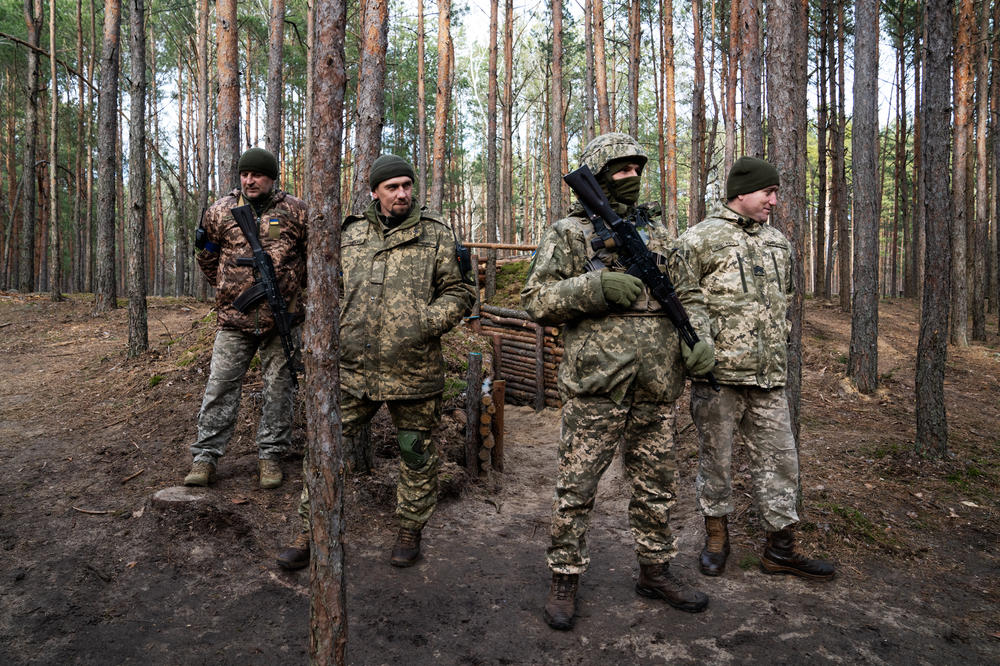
<point x="525" y="355"/>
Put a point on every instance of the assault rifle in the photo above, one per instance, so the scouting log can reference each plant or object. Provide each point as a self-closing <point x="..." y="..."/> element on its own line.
<point x="614" y="233"/>
<point x="265" y="286"/>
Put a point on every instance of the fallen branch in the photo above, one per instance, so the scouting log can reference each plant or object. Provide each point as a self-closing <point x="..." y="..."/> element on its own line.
<point x="129" y="478"/>
<point x="92" y="512"/>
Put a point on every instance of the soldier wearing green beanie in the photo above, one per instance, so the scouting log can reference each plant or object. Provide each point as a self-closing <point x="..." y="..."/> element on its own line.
<point x="733" y="273"/>
<point x="282" y="224"/>
<point x="402" y="290"/>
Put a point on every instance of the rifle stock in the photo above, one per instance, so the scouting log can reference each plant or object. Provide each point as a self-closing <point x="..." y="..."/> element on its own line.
<point x="615" y="233"/>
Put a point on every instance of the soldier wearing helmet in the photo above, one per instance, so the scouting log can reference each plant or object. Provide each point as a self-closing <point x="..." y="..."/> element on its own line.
<point x="621" y="372"/>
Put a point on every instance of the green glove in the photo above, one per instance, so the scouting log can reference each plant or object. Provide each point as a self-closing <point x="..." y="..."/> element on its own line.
<point x="620" y="288"/>
<point x="699" y="360"/>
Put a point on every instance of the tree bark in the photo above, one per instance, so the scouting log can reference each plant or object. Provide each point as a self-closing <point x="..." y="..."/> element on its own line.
<point x="962" y="91"/>
<point x="138" y="337"/>
<point x="786" y="106"/>
<point x="33" y="21"/>
<point x="105" y="287"/>
<point x="203" y="139"/>
<point x="371" y="98"/>
<point x="863" y="359"/>
<point x="275" y="56"/>
<point x="228" y="117"/>
<point x="55" y="249"/>
<point x="696" y="195"/>
<point x="932" y="348"/>
<point x="491" y="157"/>
<point x="819" y="238"/>
<point x="556" y="117"/>
<point x="588" y="81"/>
<point x="634" y="60"/>
<point x="442" y="98"/>
<point x="667" y="8"/>
<point x="321" y="346"/>
<point x="980" y="226"/>
<point x="753" y="125"/>
<point x="601" y="68"/>
<point x="731" y="66"/>
<point x="507" y="230"/>
<point x="843" y="221"/>
<point x="421" y="109"/>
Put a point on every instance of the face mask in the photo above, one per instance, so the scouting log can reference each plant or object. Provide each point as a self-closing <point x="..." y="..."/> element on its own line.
<point x="626" y="190"/>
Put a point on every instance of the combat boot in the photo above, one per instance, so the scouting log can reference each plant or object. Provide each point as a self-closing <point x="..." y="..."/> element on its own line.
<point x="296" y="556"/>
<point x="202" y="473"/>
<point x="657" y="582"/>
<point x="712" y="560"/>
<point x="560" y="607"/>
<point x="406" y="550"/>
<point x="270" y="473"/>
<point x="780" y="557"/>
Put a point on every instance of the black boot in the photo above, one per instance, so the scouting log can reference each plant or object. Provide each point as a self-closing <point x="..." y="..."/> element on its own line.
<point x="656" y="581"/>
<point x="712" y="561"/>
<point x="296" y="556"/>
<point x="780" y="557"/>
<point x="406" y="550"/>
<point x="560" y="607"/>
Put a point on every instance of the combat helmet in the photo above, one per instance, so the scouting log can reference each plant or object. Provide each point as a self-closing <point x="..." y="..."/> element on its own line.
<point x="611" y="147"/>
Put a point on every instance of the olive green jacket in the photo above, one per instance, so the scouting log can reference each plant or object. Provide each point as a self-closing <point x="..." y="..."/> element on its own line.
<point x="402" y="290"/>
<point x="734" y="278"/>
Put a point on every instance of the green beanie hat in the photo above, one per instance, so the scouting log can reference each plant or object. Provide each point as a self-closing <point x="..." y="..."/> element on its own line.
<point x="386" y="167"/>
<point x="750" y="174"/>
<point x="259" y="160"/>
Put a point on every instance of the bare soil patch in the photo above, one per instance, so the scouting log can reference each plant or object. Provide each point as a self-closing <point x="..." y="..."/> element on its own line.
<point x="93" y="572"/>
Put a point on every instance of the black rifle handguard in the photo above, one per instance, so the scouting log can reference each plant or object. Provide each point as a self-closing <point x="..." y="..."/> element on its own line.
<point x="268" y="280"/>
<point x="639" y="261"/>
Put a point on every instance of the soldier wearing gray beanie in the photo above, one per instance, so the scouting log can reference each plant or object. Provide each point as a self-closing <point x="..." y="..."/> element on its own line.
<point x="386" y="167"/>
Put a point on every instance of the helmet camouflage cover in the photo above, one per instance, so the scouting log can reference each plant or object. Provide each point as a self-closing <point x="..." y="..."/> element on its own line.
<point x="611" y="147"/>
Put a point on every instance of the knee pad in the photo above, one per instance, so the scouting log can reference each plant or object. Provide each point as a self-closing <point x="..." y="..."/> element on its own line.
<point x="414" y="447"/>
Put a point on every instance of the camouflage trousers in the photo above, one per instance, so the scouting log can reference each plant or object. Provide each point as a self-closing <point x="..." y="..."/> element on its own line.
<point x="761" y="416"/>
<point x="416" y="492"/>
<point x="231" y="357"/>
<point x="592" y="429"/>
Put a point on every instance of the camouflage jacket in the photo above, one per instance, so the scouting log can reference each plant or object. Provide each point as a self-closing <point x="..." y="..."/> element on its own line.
<point x="287" y="251"/>
<point x="402" y="290"/>
<point x="734" y="277"/>
<point x="607" y="350"/>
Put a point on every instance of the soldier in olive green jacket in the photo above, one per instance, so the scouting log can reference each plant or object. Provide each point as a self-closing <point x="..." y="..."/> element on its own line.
<point x="733" y="273"/>
<point x="402" y="290"/>
<point x="620" y="374"/>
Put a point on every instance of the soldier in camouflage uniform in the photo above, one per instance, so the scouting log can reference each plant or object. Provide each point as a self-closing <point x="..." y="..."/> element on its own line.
<point x="402" y="290"/>
<point x="733" y="273"/>
<point x="282" y="221"/>
<point x="620" y="374"/>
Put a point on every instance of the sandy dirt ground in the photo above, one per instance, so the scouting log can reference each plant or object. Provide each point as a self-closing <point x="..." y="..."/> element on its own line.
<point x="94" y="572"/>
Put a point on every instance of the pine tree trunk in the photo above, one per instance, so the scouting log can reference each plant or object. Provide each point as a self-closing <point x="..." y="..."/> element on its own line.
<point x="228" y="117"/>
<point x="275" y="56"/>
<point x="55" y="248"/>
<point x="79" y="231"/>
<point x="980" y="225"/>
<point x="507" y="231"/>
<point x="138" y="337"/>
<point x="556" y="117"/>
<point x="436" y="199"/>
<point x="751" y="65"/>
<point x="421" y="109"/>
<point x="180" y="230"/>
<point x="819" y="237"/>
<point x="371" y="98"/>
<point x="786" y="137"/>
<point x="843" y="221"/>
<point x="105" y="286"/>
<point x="731" y="66"/>
<point x="863" y="359"/>
<point x="203" y="139"/>
<point x="667" y="8"/>
<point x="962" y="91"/>
<point x="33" y="21"/>
<point x="600" y="68"/>
<point x="932" y="348"/>
<point x="634" y="60"/>
<point x="696" y="195"/>
<point x="491" y="156"/>
<point x="325" y="463"/>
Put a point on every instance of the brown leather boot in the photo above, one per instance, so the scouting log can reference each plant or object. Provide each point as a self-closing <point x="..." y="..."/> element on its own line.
<point x="296" y="556"/>
<point x="406" y="550"/>
<point x="780" y="557"/>
<point x="560" y="607"/>
<point x="713" y="556"/>
<point x="657" y="582"/>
